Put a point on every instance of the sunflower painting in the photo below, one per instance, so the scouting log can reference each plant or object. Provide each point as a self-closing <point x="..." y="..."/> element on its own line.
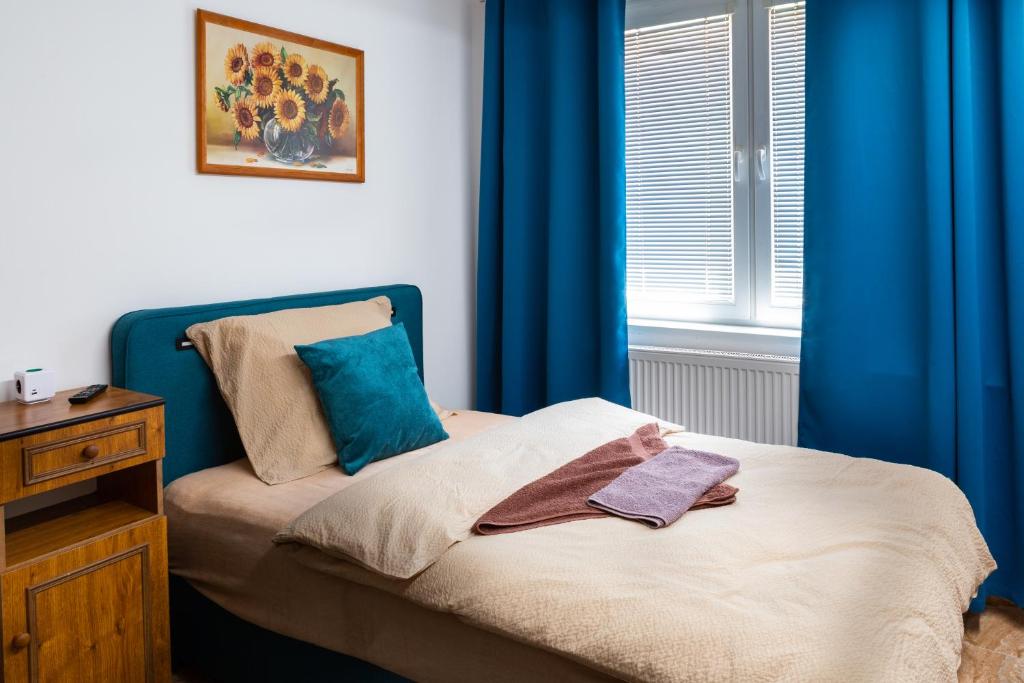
<point x="274" y="103"/>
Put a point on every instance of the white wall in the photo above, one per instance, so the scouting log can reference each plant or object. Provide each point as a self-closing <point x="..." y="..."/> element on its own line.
<point x="103" y="212"/>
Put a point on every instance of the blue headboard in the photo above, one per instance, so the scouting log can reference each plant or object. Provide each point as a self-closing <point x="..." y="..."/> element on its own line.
<point x="147" y="355"/>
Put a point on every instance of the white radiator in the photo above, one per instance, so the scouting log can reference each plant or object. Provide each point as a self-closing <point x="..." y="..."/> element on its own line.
<point x="745" y="396"/>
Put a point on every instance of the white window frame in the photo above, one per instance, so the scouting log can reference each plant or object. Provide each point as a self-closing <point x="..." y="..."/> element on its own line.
<point x="761" y="265"/>
<point x="752" y="253"/>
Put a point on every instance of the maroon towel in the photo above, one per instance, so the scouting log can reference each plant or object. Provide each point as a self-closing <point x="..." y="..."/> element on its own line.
<point x="561" y="496"/>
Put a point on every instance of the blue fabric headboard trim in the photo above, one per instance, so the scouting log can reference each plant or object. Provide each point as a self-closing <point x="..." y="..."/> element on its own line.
<point x="200" y="431"/>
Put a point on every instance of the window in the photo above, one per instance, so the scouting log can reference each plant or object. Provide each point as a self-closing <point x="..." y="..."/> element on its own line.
<point x="714" y="160"/>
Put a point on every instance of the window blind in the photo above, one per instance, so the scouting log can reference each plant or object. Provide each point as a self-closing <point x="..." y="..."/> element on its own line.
<point x="679" y="162"/>
<point x="786" y="46"/>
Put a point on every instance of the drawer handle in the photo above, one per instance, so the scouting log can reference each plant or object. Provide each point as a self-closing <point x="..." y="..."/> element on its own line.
<point x="21" y="641"/>
<point x="90" y="451"/>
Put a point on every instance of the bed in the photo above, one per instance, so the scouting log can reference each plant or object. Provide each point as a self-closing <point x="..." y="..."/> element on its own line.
<point x="249" y="609"/>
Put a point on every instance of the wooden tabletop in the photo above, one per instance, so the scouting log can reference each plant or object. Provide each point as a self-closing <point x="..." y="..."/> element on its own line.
<point x="18" y="419"/>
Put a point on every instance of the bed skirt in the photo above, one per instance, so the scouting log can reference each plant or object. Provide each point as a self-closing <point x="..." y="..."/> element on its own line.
<point x="208" y="643"/>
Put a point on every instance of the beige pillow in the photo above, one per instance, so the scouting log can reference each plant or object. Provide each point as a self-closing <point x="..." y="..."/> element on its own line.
<point x="269" y="390"/>
<point x="442" y="413"/>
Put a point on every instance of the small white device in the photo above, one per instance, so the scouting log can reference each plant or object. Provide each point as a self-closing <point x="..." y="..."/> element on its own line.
<point x="35" y="385"/>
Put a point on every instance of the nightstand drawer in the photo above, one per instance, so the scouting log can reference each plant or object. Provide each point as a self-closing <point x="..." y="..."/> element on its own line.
<point x="62" y="456"/>
<point x="55" y="458"/>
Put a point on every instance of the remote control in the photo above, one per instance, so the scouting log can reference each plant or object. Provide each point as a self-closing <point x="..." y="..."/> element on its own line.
<point x="87" y="394"/>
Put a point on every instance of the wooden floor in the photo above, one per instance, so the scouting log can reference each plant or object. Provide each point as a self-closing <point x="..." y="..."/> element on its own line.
<point x="994" y="645"/>
<point x="993" y="648"/>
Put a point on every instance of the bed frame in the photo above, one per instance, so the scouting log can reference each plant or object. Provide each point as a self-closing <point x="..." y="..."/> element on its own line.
<point x="150" y="353"/>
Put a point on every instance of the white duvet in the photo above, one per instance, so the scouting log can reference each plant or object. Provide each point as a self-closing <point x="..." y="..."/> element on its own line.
<point x="827" y="568"/>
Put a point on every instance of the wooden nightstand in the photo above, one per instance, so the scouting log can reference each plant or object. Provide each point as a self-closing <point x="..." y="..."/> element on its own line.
<point x="83" y="583"/>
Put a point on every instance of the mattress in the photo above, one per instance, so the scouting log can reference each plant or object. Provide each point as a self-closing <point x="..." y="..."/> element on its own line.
<point x="220" y="524"/>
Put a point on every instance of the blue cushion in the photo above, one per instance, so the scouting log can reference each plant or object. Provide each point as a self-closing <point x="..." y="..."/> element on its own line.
<point x="372" y="396"/>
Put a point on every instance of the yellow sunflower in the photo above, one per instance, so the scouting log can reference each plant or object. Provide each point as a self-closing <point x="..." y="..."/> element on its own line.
<point x="246" y="118"/>
<point x="316" y="83"/>
<point x="339" y="119"/>
<point x="295" y="69"/>
<point x="222" y="99"/>
<point x="290" y="110"/>
<point x="236" y="63"/>
<point x="265" y="56"/>
<point x="266" y="84"/>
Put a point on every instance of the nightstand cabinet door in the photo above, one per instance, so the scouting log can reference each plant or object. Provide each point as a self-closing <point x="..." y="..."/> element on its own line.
<point x="93" y="614"/>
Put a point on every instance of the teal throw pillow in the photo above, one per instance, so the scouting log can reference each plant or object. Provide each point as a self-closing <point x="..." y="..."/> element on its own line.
<point x="372" y="396"/>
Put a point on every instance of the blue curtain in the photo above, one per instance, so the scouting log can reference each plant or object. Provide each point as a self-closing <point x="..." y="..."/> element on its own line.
<point x="551" y="309"/>
<point x="913" y="334"/>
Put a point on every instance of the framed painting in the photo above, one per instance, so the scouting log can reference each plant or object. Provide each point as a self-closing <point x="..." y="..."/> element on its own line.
<point x="278" y="104"/>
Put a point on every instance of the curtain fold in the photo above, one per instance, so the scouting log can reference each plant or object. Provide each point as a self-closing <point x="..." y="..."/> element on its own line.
<point x="551" y="309"/>
<point x="913" y="333"/>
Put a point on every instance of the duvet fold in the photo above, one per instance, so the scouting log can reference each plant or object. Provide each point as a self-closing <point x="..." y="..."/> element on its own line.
<point x="399" y="523"/>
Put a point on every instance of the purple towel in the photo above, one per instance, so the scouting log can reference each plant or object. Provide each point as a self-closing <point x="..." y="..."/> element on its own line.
<point x="657" y="492"/>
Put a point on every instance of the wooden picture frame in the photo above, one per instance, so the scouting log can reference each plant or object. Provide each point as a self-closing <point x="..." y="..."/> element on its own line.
<point x="255" y="119"/>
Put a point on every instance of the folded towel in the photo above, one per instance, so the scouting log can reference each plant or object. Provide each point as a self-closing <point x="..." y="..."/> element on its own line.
<point x="561" y="496"/>
<point x="658" y="491"/>
<point x="716" y="496"/>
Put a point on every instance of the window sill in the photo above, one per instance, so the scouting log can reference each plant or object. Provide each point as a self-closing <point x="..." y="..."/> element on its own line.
<point x="774" y="341"/>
